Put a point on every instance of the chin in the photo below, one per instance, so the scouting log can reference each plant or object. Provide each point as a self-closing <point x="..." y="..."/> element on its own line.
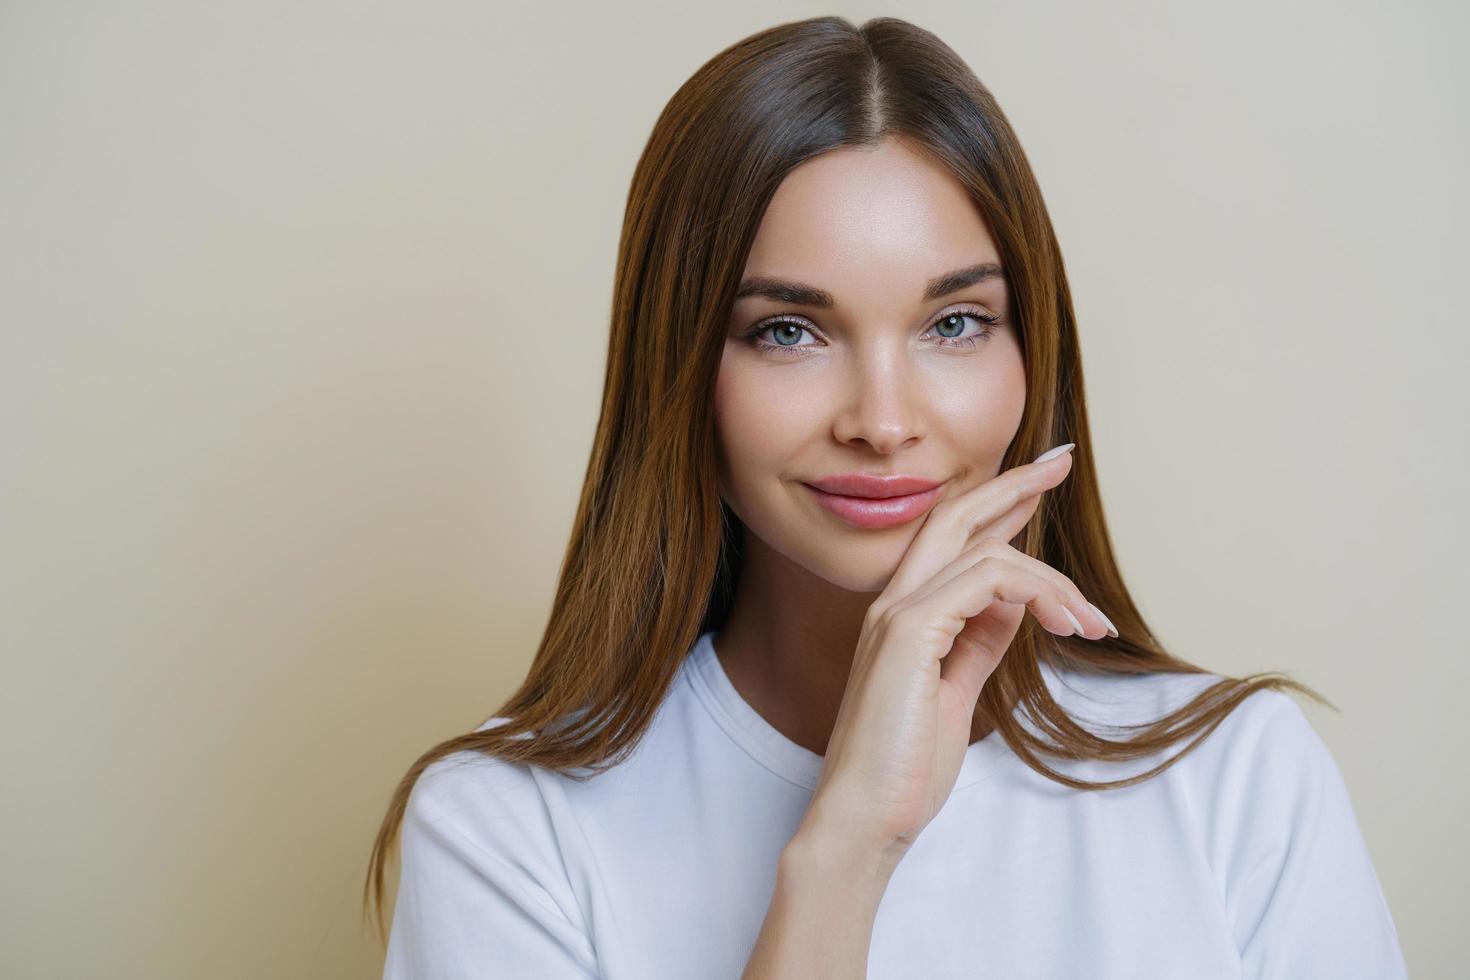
<point x="857" y="573"/>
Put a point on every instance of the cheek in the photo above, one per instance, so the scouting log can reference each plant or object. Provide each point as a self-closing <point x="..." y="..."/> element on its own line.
<point x="980" y="411"/>
<point x="758" y="420"/>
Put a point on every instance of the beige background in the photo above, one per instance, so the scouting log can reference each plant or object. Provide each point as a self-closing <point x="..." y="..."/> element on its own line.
<point x="304" y="316"/>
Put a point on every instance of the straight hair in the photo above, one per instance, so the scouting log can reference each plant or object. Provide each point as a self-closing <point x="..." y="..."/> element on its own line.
<point x="651" y="530"/>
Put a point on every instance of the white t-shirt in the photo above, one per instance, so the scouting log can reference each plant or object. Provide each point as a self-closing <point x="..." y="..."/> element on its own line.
<point x="1244" y="859"/>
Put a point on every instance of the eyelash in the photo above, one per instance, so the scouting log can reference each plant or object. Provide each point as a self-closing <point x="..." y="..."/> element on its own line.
<point x="989" y="321"/>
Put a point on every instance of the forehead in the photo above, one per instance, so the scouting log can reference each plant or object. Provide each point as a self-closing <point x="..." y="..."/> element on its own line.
<point x="883" y="214"/>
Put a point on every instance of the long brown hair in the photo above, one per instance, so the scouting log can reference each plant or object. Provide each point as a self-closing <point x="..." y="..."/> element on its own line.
<point x="651" y="530"/>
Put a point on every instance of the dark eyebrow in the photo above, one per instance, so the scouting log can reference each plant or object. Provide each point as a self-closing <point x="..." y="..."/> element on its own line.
<point x="800" y="294"/>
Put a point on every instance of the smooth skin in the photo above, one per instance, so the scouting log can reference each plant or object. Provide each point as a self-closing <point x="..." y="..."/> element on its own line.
<point x="871" y="646"/>
<point x="927" y="647"/>
<point x="930" y="642"/>
<point x="883" y="381"/>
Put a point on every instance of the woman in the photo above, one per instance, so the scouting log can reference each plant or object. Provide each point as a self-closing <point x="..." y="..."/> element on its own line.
<point x="788" y="718"/>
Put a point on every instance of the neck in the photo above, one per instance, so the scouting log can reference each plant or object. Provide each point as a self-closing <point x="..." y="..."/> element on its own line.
<point x="788" y="643"/>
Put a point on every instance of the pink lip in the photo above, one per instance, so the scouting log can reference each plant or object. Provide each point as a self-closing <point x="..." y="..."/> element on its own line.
<point x="876" y="502"/>
<point x="867" y="485"/>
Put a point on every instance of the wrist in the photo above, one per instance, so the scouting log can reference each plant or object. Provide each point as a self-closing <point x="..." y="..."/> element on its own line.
<point x="817" y="851"/>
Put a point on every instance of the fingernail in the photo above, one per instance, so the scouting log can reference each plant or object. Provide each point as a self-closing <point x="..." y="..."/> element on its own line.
<point x="1054" y="453"/>
<point x="1076" y="626"/>
<point x="1112" y="630"/>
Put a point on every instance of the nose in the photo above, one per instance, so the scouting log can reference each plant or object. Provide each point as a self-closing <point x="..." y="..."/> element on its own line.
<point x="881" y="405"/>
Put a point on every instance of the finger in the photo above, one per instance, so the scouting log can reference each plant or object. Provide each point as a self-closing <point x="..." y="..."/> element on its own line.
<point x="1093" y="626"/>
<point x="990" y="580"/>
<point x="1009" y="524"/>
<point x="950" y="524"/>
<point x="978" y="648"/>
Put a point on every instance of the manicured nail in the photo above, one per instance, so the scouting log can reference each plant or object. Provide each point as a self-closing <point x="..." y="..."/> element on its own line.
<point x="1076" y="626"/>
<point x="1054" y="453"/>
<point x="1112" y="630"/>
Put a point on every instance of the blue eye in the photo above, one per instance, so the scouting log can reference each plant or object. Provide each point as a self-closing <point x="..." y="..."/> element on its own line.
<point x="780" y="324"/>
<point x="949" y="321"/>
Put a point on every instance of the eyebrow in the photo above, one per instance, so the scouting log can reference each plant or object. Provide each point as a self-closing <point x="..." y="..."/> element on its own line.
<point x="799" y="293"/>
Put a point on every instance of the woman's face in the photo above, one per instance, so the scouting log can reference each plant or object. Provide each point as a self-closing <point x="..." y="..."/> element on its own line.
<point x="898" y="375"/>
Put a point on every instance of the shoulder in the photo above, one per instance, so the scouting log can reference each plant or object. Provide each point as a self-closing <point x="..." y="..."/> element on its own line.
<point x="1257" y="779"/>
<point x="1124" y="701"/>
<point x="1263" y="751"/>
<point x="505" y="819"/>
<point x="1264" y="745"/>
<point x="1270" y="774"/>
<point x="1266" y="802"/>
<point x="484" y="877"/>
<point x="482" y="797"/>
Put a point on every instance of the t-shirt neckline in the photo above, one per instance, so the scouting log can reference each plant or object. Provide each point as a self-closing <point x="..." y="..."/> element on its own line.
<point x="763" y="742"/>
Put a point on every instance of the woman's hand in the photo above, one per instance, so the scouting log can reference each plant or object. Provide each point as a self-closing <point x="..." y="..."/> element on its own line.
<point x="928" y="644"/>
